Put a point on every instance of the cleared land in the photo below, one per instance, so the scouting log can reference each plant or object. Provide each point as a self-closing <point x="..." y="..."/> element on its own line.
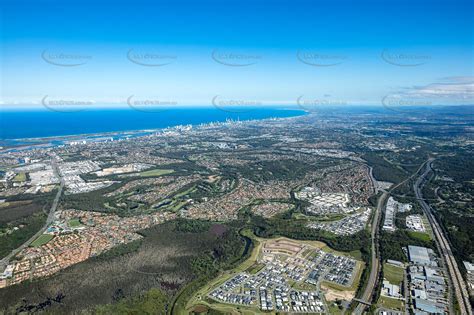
<point x="390" y="303"/>
<point x="393" y="273"/>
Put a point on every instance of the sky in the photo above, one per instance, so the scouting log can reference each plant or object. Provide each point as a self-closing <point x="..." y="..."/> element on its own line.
<point x="336" y="52"/>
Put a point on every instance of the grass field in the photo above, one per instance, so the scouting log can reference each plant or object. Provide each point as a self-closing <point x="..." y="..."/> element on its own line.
<point x="390" y="303"/>
<point x="74" y="223"/>
<point x="392" y="273"/>
<point x="420" y="235"/>
<point x="43" y="239"/>
<point x="256" y="267"/>
<point x="334" y="309"/>
<point x="20" y="177"/>
<point x="156" y="172"/>
<point x="356" y="254"/>
<point x="5" y="204"/>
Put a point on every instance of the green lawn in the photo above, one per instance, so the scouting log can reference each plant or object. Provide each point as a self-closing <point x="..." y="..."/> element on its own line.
<point x="393" y="274"/>
<point x="74" y="223"/>
<point x="419" y="235"/>
<point x="334" y="309"/>
<point x="156" y="172"/>
<point x="42" y="239"/>
<point x="256" y="267"/>
<point x="20" y="177"/>
<point x="390" y="303"/>
<point x="355" y="253"/>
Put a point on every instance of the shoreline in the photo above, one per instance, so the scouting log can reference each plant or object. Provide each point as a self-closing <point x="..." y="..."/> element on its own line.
<point x="41" y="141"/>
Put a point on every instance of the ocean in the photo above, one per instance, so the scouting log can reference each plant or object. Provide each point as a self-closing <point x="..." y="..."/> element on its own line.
<point x="37" y="123"/>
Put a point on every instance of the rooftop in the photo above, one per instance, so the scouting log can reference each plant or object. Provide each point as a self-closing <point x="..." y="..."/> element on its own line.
<point x="419" y="254"/>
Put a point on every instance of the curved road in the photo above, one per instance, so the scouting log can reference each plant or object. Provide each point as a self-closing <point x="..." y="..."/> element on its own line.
<point x="49" y="220"/>
<point x="444" y="248"/>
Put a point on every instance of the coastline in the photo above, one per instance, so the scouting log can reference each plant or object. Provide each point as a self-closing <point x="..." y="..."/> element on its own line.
<point x="27" y="142"/>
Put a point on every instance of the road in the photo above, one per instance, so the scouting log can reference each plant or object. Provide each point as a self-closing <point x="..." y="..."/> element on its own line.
<point x="460" y="290"/>
<point x="374" y="271"/>
<point x="49" y="220"/>
<point x="375" y="261"/>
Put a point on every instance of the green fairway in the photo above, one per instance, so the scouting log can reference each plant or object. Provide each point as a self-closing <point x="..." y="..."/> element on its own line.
<point x="156" y="172"/>
<point x="43" y="239"/>
<point x="178" y="205"/>
<point x="392" y="273"/>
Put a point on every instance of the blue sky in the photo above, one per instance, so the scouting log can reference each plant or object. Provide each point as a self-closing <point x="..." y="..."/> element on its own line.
<point x="280" y="52"/>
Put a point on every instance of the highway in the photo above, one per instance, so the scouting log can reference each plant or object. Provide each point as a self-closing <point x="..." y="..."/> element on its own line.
<point x="375" y="266"/>
<point x="49" y="220"/>
<point x="375" y="261"/>
<point x="460" y="290"/>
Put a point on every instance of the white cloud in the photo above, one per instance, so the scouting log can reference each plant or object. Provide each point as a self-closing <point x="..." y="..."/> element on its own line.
<point x="458" y="89"/>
